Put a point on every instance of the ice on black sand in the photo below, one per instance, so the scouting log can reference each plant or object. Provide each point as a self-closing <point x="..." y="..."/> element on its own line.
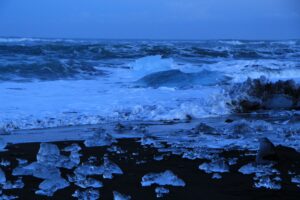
<point x="119" y="196"/>
<point x="163" y="178"/>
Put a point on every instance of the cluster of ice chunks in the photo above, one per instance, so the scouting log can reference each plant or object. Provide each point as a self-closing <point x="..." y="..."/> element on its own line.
<point x="164" y="178"/>
<point x="99" y="139"/>
<point x="215" y="166"/>
<point x="49" y="160"/>
<point x="119" y="196"/>
<point x="89" y="194"/>
<point x="264" y="175"/>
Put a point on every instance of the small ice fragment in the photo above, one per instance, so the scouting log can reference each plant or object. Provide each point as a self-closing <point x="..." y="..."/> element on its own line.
<point x="2" y="176"/>
<point x="296" y="179"/>
<point x="89" y="194"/>
<point x="232" y="161"/>
<point x="259" y="170"/>
<point x="216" y="176"/>
<point x="161" y="192"/>
<point x="37" y="170"/>
<point x="110" y="168"/>
<point x="219" y="166"/>
<point x="22" y="161"/>
<point x="49" y="186"/>
<point x="266" y="182"/>
<point x="98" y="139"/>
<point x="150" y="141"/>
<point x="18" y="184"/>
<point x="89" y="183"/>
<point x="163" y="178"/>
<point x="7" y="197"/>
<point x="2" y="144"/>
<point x="72" y="148"/>
<point x="119" y="196"/>
<point x="48" y="153"/>
<point x="158" y="157"/>
<point x="88" y="169"/>
<point x="4" y="163"/>
<point x="115" y="149"/>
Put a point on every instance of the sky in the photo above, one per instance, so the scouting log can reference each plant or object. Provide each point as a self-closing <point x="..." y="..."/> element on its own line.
<point x="151" y="19"/>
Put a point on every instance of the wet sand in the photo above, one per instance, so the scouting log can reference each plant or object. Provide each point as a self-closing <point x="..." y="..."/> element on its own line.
<point x="138" y="160"/>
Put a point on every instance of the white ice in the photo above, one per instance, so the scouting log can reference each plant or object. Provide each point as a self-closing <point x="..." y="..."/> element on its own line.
<point x="219" y="166"/>
<point x="164" y="178"/>
<point x="119" y="196"/>
<point x="49" y="186"/>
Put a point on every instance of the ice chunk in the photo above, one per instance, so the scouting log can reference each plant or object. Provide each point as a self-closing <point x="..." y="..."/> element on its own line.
<point x="37" y="170"/>
<point x="296" y="179"/>
<point x="161" y="192"/>
<point x="2" y="144"/>
<point x="22" y="161"/>
<point x="88" y="169"/>
<point x="89" y="194"/>
<point x="72" y="148"/>
<point x="49" y="154"/>
<point x="18" y="184"/>
<point x="266" y="182"/>
<point x="100" y="138"/>
<point x="4" y="163"/>
<point x="88" y="183"/>
<point x="219" y="166"/>
<point x="150" y="141"/>
<point x="110" y="168"/>
<point x="2" y="176"/>
<point x="7" y="197"/>
<point x="163" y="178"/>
<point x="49" y="186"/>
<point x="232" y="161"/>
<point x="216" y="176"/>
<point x="119" y="196"/>
<point x="259" y="170"/>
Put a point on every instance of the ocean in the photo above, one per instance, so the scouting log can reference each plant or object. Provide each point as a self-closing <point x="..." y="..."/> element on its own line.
<point x="55" y="82"/>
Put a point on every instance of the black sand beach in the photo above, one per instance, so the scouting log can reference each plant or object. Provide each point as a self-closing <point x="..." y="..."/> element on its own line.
<point x="137" y="160"/>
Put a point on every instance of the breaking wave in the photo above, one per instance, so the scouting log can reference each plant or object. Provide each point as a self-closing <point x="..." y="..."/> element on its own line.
<point x="50" y="83"/>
